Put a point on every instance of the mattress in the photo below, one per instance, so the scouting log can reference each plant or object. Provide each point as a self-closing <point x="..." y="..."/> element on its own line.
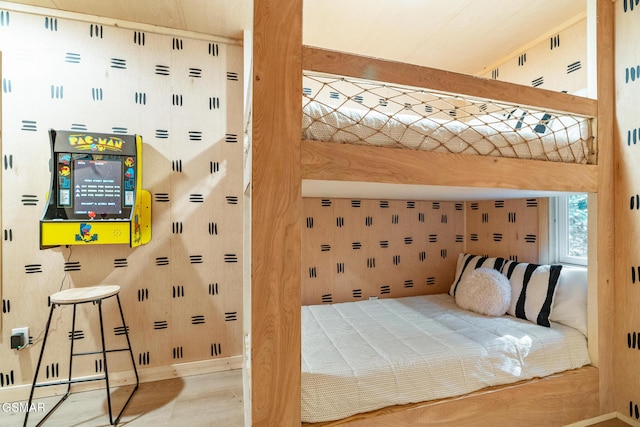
<point x="365" y="355"/>
<point x="516" y="134"/>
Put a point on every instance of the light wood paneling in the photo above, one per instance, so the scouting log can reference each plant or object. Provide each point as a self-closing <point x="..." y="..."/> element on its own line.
<point x="353" y="249"/>
<point x="503" y="228"/>
<point x="349" y="246"/>
<point x="550" y="61"/>
<point x="178" y="288"/>
<point x="624" y="344"/>
<point x="276" y="209"/>
<point x="345" y="162"/>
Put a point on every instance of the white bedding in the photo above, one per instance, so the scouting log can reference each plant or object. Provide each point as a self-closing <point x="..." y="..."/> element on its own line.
<point x="560" y="139"/>
<point x="361" y="356"/>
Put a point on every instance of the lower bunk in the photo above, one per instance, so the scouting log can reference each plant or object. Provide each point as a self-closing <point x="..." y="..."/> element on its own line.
<point x="372" y="363"/>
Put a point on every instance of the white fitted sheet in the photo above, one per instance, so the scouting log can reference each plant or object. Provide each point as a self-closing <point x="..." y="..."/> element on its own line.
<point x="365" y="355"/>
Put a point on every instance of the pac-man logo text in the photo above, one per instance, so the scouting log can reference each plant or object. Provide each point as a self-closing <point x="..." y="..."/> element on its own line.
<point x="96" y="143"/>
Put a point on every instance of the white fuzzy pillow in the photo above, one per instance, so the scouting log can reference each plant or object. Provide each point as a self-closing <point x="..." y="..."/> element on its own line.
<point x="485" y="291"/>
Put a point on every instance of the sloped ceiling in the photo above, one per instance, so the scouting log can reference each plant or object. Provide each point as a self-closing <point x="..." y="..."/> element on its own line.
<point x="225" y="18"/>
<point x="466" y="36"/>
<point x="458" y="35"/>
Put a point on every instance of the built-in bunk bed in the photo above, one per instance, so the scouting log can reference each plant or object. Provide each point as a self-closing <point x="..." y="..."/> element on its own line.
<point x="373" y="121"/>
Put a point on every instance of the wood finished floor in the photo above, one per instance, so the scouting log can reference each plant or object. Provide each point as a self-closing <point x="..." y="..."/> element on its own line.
<point x="611" y="423"/>
<point x="194" y="401"/>
<point x="200" y="400"/>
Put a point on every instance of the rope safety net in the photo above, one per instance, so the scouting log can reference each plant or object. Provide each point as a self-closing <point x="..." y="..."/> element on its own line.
<point x="346" y="110"/>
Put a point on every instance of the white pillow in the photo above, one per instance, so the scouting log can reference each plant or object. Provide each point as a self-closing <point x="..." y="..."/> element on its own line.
<point x="533" y="288"/>
<point x="485" y="291"/>
<point x="570" y="303"/>
<point x="467" y="263"/>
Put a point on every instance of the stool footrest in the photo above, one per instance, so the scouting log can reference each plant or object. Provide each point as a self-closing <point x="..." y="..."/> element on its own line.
<point x="71" y="381"/>
<point x="88" y="353"/>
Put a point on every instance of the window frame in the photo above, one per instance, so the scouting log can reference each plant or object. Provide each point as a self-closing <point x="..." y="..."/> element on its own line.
<point x="559" y="241"/>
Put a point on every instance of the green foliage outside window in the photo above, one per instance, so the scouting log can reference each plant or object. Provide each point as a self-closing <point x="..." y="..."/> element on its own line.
<point x="577" y="230"/>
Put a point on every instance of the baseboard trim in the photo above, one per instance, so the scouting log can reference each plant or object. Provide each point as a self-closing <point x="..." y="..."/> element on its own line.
<point x="595" y="420"/>
<point x="117" y="379"/>
<point x="606" y="417"/>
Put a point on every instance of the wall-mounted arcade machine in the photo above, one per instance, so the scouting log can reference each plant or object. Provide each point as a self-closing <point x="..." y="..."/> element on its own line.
<point x="96" y="194"/>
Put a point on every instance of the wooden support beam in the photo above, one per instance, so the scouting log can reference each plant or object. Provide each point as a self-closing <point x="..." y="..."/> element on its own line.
<point x="346" y="162"/>
<point x="362" y="67"/>
<point x="602" y="249"/>
<point x="276" y="207"/>
<point x="540" y="401"/>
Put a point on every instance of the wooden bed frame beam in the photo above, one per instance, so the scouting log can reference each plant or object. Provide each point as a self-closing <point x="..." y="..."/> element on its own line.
<point x="541" y="401"/>
<point x="360" y="163"/>
<point x="362" y="67"/>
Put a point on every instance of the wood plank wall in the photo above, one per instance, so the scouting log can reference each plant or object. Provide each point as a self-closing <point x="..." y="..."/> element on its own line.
<point x="625" y="343"/>
<point x="505" y="228"/>
<point x="276" y="209"/>
<point x="354" y="249"/>
<point x="182" y="285"/>
<point x="557" y="63"/>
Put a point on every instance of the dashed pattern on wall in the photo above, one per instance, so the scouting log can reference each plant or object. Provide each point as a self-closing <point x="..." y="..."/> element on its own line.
<point x="355" y="249"/>
<point x="558" y="63"/>
<point x="627" y="291"/>
<point x="181" y="293"/>
<point x="504" y="228"/>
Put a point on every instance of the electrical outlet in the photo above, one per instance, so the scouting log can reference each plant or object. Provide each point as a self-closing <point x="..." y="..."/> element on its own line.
<point x="25" y="333"/>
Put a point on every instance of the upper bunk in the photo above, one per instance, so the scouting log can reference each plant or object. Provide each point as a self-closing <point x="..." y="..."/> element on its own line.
<point x="489" y="133"/>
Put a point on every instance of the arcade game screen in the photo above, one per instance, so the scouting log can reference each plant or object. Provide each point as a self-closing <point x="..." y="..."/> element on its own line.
<point x="95" y="186"/>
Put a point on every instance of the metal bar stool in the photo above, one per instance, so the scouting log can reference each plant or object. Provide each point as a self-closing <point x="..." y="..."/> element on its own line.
<point x="75" y="296"/>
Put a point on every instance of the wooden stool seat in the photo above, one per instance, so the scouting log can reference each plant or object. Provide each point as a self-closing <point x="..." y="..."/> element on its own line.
<point x="87" y="294"/>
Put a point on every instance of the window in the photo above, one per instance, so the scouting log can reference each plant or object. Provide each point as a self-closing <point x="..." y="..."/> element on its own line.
<point x="571" y="228"/>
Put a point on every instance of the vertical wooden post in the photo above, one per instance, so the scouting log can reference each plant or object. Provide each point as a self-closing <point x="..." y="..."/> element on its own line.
<point x="603" y="245"/>
<point x="276" y="208"/>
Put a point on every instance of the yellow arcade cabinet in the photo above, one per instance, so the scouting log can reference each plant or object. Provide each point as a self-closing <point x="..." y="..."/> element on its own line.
<point x="96" y="194"/>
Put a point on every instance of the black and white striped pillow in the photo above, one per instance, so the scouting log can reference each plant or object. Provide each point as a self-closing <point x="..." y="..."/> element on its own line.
<point x="533" y="288"/>
<point x="467" y="263"/>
